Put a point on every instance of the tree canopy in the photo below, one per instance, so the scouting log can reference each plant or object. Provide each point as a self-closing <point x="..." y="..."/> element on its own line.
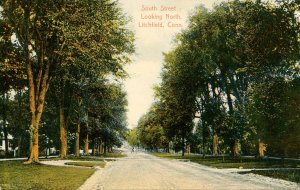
<point x="74" y="52"/>
<point x="232" y="71"/>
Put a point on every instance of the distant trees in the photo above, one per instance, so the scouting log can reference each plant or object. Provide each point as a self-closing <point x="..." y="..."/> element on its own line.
<point x="150" y="132"/>
<point x="221" y="71"/>
<point x="132" y="138"/>
<point x="108" y="126"/>
<point x="67" y="48"/>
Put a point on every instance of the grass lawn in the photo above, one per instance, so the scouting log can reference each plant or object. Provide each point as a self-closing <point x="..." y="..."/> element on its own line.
<point x="246" y="163"/>
<point x="290" y="174"/>
<point x="15" y="175"/>
<point x="228" y="162"/>
<point x="88" y="164"/>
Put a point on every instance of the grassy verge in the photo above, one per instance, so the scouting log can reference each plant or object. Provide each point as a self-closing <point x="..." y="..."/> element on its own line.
<point x="87" y="158"/>
<point x="90" y="158"/>
<point x="228" y="162"/>
<point x="113" y="155"/>
<point x="246" y="163"/>
<point x="15" y="175"/>
<point x="88" y="164"/>
<point x="289" y="174"/>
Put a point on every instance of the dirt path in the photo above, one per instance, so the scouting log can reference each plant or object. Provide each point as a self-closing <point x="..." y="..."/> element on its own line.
<point x="142" y="171"/>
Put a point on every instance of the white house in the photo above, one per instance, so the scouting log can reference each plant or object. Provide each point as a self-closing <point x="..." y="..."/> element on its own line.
<point x="2" y="141"/>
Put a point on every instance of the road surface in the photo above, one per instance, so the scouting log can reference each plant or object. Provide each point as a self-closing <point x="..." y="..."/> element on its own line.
<point x="140" y="171"/>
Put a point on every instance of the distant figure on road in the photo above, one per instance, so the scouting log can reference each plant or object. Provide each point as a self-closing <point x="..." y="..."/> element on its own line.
<point x="132" y="150"/>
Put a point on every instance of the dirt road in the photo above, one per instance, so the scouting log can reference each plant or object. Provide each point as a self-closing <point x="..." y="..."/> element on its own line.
<point x="142" y="171"/>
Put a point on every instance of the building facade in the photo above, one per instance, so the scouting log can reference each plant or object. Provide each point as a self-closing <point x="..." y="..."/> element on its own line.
<point x="2" y="141"/>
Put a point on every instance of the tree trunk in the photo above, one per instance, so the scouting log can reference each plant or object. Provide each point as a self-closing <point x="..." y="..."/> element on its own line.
<point x="229" y="99"/>
<point x="63" y="132"/>
<point x="94" y="147"/>
<point x="20" y="139"/>
<point x="34" y="127"/>
<point x="34" y="144"/>
<point x="104" y="147"/>
<point x="188" y="149"/>
<point x="203" y="141"/>
<point x="4" y="124"/>
<point x="101" y="151"/>
<point x="36" y="108"/>
<point x="183" y="147"/>
<point x="5" y="136"/>
<point x="99" y="147"/>
<point x="37" y="83"/>
<point x="262" y="147"/>
<point x="86" y="145"/>
<point x="215" y="144"/>
<point x="235" y="148"/>
<point x="77" y="143"/>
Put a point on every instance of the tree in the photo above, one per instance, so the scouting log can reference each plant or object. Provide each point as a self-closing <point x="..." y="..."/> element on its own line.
<point x="106" y="115"/>
<point x="132" y="138"/>
<point x="233" y="58"/>
<point x="105" y="54"/>
<point x="58" y="35"/>
<point x="36" y="38"/>
<point x="150" y="131"/>
<point x="177" y="93"/>
<point x="223" y="54"/>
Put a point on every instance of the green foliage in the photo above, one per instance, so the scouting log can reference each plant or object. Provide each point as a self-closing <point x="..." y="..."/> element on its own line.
<point x="227" y="53"/>
<point x="108" y="115"/>
<point x="12" y="72"/>
<point x="150" y="133"/>
<point x="19" y="118"/>
<point x="274" y="111"/>
<point x="132" y="138"/>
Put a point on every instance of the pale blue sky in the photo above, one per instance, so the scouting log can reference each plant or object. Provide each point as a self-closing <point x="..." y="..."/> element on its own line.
<point x="150" y="43"/>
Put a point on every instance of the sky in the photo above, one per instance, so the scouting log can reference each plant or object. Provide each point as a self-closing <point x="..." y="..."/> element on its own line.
<point x="150" y="44"/>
